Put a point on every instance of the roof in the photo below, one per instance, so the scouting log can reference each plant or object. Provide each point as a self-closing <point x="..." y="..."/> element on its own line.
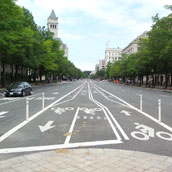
<point x="52" y="15"/>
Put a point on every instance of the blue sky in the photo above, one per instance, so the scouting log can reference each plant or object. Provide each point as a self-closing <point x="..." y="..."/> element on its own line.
<point x="86" y="25"/>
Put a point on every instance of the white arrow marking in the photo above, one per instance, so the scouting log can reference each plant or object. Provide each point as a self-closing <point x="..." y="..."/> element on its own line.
<point x="46" y="127"/>
<point x="126" y="113"/>
<point x="2" y="113"/>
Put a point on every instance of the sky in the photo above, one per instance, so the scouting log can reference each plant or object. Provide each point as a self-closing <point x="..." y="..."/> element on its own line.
<point x="87" y="25"/>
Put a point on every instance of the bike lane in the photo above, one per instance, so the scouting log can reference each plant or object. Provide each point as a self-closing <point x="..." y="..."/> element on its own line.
<point x="75" y="123"/>
<point x="145" y="133"/>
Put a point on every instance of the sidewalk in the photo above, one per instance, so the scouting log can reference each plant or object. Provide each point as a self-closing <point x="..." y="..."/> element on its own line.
<point x="88" y="160"/>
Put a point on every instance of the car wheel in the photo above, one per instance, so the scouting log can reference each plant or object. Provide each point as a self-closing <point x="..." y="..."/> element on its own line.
<point x="30" y="93"/>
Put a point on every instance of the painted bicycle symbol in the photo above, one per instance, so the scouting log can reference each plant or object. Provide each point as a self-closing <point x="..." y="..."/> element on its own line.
<point x="146" y="132"/>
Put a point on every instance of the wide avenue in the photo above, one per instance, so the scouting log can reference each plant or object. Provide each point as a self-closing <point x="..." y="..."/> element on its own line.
<point x="86" y="114"/>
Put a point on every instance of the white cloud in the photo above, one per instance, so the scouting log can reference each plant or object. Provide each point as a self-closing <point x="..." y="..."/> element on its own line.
<point x="121" y="20"/>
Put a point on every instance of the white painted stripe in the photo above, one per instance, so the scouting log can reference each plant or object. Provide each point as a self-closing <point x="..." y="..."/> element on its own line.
<point x="91" y="117"/>
<point x="85" y="117"/>
<point x="114" y="120"/>
<point x="110" y="99"/>
<point x="72" y="126"/>
<point x="2" y="113"/>
<point x="13" y="130"/>
<point x="55" y="93"/>
<point x="69" y="99"/>
<point x="60" y="146"/>
<point x="138" y="110"/>
<point x="109" y="120"/>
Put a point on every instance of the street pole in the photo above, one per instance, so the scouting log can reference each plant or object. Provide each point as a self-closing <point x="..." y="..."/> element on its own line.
<point x="27" y="108"/>
<point x="43" y="101"/>
<point x="159" y="109"/>
<point x="141" y="108"/>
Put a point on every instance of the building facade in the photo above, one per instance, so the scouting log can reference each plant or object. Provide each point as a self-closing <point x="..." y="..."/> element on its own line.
<point x="52" y="25"/>
<point x="112" y="54"/>
<point x="133" y="46"/>
<point x="101" y="64"/>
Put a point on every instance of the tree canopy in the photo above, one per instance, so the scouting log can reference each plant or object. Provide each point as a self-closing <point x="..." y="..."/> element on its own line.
<point x="26" y="46"/>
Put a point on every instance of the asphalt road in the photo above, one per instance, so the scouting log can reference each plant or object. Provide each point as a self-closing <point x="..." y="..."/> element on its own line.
<point x="86" y="114"/>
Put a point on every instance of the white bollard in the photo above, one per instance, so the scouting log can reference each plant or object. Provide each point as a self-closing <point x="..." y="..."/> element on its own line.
<point x="159" y="109"/>
<point x="43" y="101"/>
<point x="141" y="106"/>
<point x="27" y="108"/>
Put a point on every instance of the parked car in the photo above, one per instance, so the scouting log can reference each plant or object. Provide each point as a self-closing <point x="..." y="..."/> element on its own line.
<point x="18" y="89"/>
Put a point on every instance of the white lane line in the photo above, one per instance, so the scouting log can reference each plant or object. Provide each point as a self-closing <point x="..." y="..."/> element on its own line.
<point x="69" y="99"/>
<point x="60" y="146"/>
<point x="2" y="113"/>
<point x="138" y="110"/>
<point x="111" y="99"/>
<point x="109" y="120"/>
<point x="55" y="93"/>
<point x="13" y="130"/>
<point x="72" y="126"/>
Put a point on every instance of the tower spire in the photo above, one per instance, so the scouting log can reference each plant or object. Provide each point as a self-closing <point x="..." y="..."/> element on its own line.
<point x="53" y="15"/>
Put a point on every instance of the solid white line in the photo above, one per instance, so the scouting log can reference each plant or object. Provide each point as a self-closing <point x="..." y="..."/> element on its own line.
<point x="72" y="126"/>
<point x="4" y="112"/>
<point x="110" y="99"/>
<point x="138" y="110"/>
<point x="13" y="130"/>
<point x="115" y="121"/>
<point x="109" y="120"/>
<point x="60" y="146"/>
<point x="69" y="99"/>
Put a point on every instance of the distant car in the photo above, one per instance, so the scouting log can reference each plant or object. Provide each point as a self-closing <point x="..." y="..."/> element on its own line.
<point x="18" y="89"/>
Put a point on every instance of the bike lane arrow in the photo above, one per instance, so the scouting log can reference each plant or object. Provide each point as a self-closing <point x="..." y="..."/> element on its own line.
<point x="47" y="126"/>
<point x="126" y="113"/>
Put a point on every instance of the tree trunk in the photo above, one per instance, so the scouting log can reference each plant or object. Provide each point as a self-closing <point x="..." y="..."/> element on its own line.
<point x="3" y="75"/>
<point x="147" y="79"/>
<point x="16" y="72"/>
<point x="166" y="81"/>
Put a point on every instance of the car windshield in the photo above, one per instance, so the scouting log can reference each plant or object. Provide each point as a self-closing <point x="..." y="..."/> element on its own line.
<point x="15" y="85"/>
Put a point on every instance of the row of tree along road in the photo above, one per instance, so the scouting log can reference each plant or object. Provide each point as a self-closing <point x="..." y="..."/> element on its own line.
<point x="152" y="64"/>
<point x="28" y="52"/>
